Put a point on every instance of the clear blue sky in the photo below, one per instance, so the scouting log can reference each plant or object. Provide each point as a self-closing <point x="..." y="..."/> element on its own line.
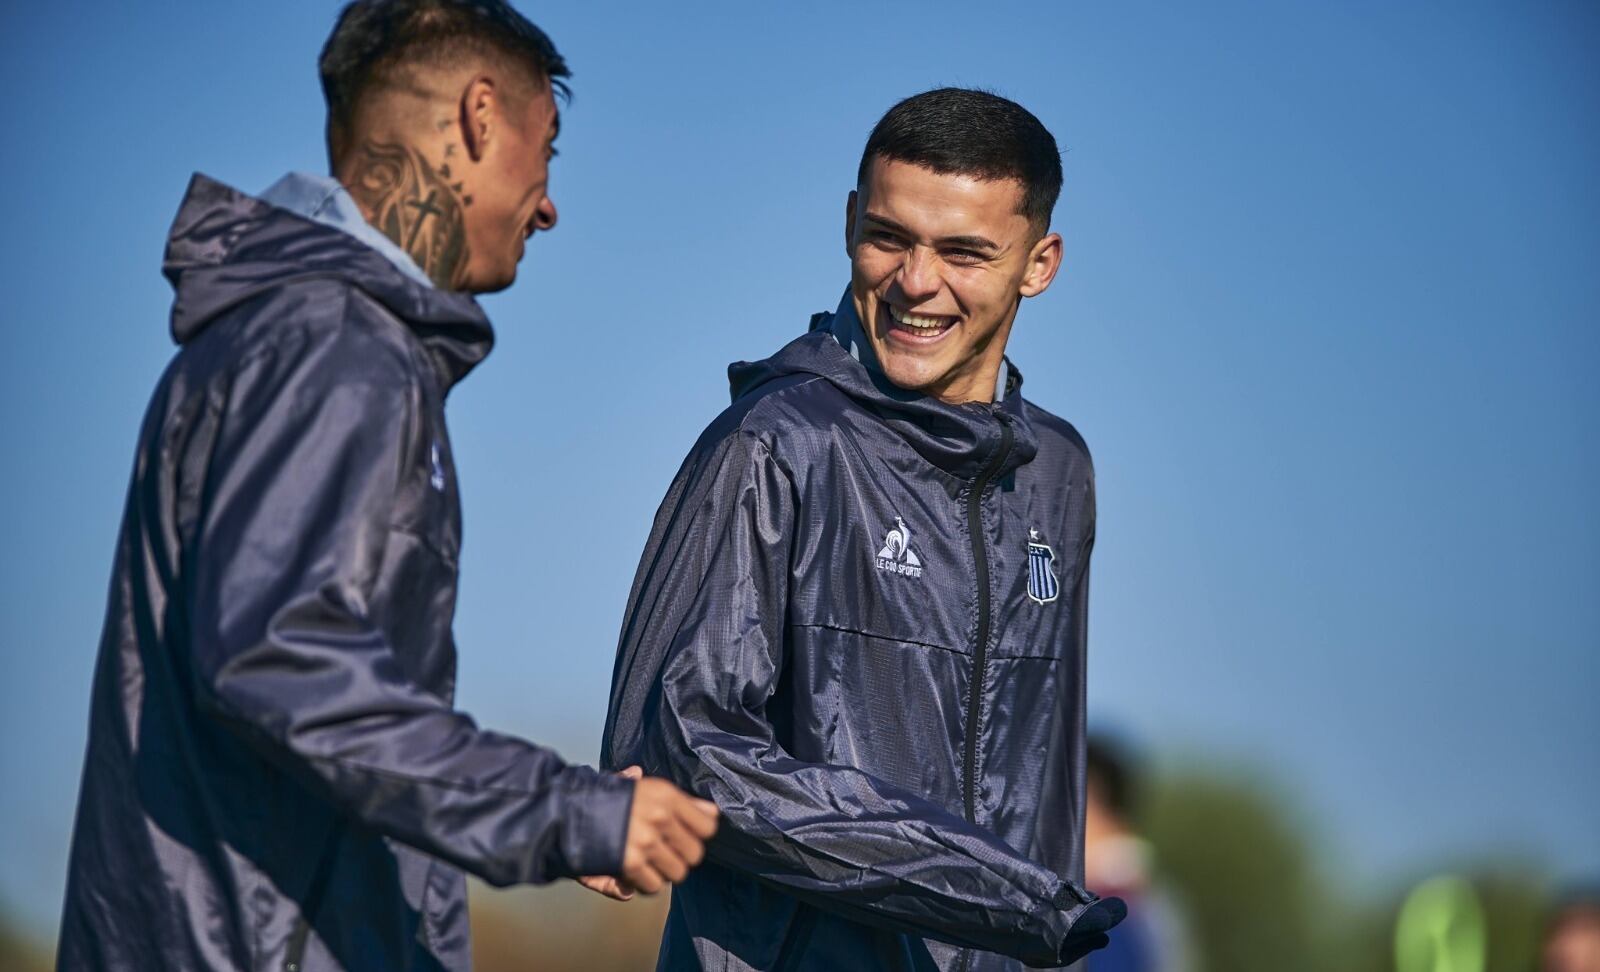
<point x="1329" y="319"/>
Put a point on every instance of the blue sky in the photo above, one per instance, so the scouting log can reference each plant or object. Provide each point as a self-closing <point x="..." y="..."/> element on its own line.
<point x="1328" y="320"/>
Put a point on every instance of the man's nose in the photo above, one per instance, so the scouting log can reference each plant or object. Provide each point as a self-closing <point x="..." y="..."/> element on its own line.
<point x="544" y="217"/>
<point x="919" y="274"/>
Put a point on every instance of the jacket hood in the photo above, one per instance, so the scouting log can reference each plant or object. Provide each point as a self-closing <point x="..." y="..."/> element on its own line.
<point x="960" y="439"/>
<point x="225" y="247"/>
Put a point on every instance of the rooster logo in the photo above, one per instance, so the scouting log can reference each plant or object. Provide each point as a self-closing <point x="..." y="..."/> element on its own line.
<point x="897" y="555"/>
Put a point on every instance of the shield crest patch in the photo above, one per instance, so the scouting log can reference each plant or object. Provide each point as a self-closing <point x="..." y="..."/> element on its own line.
<point x="1042" y="583"/>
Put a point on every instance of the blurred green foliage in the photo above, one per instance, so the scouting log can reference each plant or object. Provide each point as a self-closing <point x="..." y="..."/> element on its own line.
<point x="1256" y="887"/>
<point x="1244" y="864"/>
<point x="1241" y="870"/>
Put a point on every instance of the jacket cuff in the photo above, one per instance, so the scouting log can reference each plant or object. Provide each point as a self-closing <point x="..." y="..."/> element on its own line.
<point x="596" y="831"/>
<point x="1089" y="918"/>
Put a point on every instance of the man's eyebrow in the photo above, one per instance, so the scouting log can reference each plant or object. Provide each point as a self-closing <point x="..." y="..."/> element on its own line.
<point x="967" y="242"/>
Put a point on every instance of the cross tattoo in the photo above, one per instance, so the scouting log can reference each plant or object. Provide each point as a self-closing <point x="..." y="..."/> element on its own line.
<point x="424" y="209"/>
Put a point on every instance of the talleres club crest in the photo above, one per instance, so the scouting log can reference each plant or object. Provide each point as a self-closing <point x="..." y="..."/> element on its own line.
<point x="1042" y="583"/>
<point x="896" y="555"/>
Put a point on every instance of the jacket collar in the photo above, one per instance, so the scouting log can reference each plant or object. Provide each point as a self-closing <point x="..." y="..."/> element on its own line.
<point x="226" y="247"/>
<point x="325" y="200"/>
<point x="963" y="440"/>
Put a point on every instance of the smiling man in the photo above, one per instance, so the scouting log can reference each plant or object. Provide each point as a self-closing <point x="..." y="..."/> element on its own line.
<point x="276" y="777"/>
<point x="859" y="622"/>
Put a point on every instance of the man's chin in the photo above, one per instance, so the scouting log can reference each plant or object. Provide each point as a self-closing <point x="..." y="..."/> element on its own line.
<point x="491" y="284"/>
<point x="909" y="376"/>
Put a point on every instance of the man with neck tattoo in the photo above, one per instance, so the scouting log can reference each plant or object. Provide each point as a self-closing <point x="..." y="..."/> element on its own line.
<point x="275" y="776"/>
<point x="859" y="621"/>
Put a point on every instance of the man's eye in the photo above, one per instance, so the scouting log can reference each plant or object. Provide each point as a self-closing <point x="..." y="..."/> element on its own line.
<point x="963" y="256"/>
<point x="886" y="239"/>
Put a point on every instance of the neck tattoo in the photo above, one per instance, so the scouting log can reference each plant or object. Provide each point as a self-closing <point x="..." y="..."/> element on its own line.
<point x="414" y="205"/>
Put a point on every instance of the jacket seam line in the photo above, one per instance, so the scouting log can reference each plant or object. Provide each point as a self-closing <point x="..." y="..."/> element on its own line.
<point x="877" y="637"/>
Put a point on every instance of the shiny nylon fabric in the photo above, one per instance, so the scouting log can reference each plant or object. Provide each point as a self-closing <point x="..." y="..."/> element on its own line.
<point x="771" y="662"/>
<point x="273" y="758"/>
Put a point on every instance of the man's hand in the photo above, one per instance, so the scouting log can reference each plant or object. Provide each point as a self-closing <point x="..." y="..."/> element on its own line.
<point x="667" y="831"/>
<point x="612" y="887"/>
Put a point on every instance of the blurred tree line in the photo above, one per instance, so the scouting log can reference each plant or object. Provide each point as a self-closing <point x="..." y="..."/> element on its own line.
<point x="1259" y="898"/>
<point x="1242" y="862"/>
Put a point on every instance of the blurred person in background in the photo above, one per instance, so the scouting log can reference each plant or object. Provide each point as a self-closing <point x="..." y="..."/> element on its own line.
<point x="275" y="776"/>
<point x="859" y="622"/>
<point x="1572" y="943"/>
<point x="1118" y="861"/>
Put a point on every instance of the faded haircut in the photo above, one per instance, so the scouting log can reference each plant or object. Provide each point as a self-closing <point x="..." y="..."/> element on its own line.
<point x="965" y="131"/>
<point x="376" y="43"/>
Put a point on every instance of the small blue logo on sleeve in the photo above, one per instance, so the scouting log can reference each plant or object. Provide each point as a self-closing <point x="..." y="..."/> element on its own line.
<point x="1042" y="584"/>
<point x="436" y="478"/>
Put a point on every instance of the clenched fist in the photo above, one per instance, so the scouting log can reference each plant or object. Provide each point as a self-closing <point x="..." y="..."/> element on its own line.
<point x="667" y="831"/>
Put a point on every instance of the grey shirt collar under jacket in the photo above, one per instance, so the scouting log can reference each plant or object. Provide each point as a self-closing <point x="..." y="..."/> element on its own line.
<point x="845" y="325"/>
<point x="326" y="201"/>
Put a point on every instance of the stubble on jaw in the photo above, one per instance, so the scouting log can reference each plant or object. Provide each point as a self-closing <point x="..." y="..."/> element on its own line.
<point x="413" y="203"/>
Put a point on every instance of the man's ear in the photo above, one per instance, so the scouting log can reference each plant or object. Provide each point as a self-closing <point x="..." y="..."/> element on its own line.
<point x="850" y="224"/>
<point x="1043" y="262"/>
<point x="478" y="104"/>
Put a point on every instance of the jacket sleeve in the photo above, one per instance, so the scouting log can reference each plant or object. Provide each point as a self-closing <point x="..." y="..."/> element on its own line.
<point x="296" y="499"/>
<point x="703" y="651"/>
<point x="1060" y="847"/>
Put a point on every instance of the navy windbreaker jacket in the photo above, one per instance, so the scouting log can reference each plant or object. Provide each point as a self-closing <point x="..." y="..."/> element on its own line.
<point x="858" y="626"/>
<point x="275" y="777"/>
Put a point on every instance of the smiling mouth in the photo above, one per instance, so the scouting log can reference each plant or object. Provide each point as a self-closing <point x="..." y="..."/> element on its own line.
<point x="917" y="327"/>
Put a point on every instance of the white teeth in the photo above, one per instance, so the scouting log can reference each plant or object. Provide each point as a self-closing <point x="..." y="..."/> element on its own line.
<point x="918" y="321"/>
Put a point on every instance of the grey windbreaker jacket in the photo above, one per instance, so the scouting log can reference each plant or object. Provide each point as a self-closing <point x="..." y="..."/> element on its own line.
<point x="275" y="777"/>
<point x="858" y="626"/>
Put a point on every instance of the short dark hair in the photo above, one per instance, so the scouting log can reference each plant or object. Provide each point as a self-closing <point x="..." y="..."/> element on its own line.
<point x="966" y="131"/>
<point x="374" y="40"/>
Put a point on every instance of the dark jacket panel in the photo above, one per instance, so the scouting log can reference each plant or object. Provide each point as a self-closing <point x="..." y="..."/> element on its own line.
<point x="838" y="578"/>
<point x="275" y="775"/>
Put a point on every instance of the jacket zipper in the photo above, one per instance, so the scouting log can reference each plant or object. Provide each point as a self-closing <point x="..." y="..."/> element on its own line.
<point x="980" y="561"/>
<point x="294" y="954"/>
